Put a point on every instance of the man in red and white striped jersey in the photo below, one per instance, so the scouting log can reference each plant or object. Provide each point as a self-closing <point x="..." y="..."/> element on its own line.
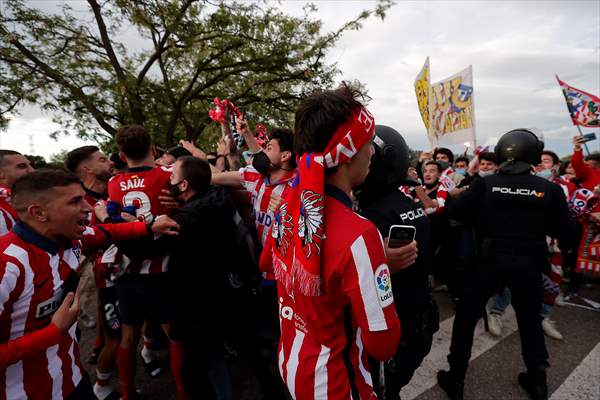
<point x="95" y="169"/>
<point x="13" y="165"/>
<point x="39" y="258"/>
<point x="334" y="286"/>
<point x="270" y="176"/>
<point x="142" y="290"/>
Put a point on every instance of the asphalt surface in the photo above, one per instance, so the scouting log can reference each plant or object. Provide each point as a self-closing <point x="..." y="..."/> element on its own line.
<point x="574" y="373"/>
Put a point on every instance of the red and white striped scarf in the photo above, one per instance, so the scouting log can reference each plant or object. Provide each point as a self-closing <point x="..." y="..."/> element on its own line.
<point x="299" y="223"/>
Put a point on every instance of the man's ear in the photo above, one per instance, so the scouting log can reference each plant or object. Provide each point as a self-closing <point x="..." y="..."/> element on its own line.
<point x="184" y="185"/>
<point x="37" y="212"/>
<point x="286" y="156"/>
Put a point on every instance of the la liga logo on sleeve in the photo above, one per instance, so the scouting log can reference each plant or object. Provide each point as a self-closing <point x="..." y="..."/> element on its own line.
<point x="383" y="284"/>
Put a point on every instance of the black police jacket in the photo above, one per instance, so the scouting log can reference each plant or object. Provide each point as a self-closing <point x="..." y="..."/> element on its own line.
<point x="410" y="286"/>
<point x="201" y="255"/>
<point x="515" y="213"/>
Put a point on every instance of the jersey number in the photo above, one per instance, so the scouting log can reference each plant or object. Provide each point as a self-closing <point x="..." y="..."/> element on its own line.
<point x="141" y="202"/>
<point x="110" y="310"/>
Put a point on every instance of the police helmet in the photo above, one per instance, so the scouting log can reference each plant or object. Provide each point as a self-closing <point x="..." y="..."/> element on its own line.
<point x="389" y="165"/>
<point x="519" y="145"/>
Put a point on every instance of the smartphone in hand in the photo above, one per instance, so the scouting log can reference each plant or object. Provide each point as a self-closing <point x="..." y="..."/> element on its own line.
<point x="401" y="235"/>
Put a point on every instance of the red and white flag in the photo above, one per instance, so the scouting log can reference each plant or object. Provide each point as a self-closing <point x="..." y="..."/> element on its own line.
<point x="583" y="107"/>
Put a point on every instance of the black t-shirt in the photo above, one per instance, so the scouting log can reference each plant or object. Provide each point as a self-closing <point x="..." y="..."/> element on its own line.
<point x="410" y="286"/>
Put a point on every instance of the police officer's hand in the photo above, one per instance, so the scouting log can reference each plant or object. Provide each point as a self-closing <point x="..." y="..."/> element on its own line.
<point x="67" y="313"/>
<point x="400" y="258"/>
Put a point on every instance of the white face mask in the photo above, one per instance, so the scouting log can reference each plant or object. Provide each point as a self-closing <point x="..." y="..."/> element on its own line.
<point x="483" y="174"/>
<point x="545" y="173"/>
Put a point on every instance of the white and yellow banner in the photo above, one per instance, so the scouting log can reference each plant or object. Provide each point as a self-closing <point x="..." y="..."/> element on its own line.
<point x="422" y="91"/>
<point x="451" y="110"/>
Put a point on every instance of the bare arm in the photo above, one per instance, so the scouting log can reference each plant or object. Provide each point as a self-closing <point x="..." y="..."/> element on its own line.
<point x="229" y="178"/>
<point x="425" y="200"/>
<point x="244" y="130"/>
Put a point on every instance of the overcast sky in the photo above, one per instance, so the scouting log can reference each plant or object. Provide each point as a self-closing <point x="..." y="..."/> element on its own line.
<point x="515" y="49"/>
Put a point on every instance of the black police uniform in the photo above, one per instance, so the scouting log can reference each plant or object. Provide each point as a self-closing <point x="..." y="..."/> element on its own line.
<point x="382" y="203"/>
<point x="514" y="214"/>
<point x="417" y="312"/>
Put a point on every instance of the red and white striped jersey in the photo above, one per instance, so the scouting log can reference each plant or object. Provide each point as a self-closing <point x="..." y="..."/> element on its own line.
<point x="140" y="187"/>
<point x="33" y="274"/>
<point x="321" y="352"/>
<point x="261" y="189"/>
<point x="8" y="216"/>
<point x="567" y="187"/>
<point x="102" y="277"/>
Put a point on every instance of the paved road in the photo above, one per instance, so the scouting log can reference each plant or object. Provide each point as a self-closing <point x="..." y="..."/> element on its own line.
<point x="496" y="362"/>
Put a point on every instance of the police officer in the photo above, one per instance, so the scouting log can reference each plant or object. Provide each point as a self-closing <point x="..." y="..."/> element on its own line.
<point x="514" y="212"/>
<point x="381" y="201"/>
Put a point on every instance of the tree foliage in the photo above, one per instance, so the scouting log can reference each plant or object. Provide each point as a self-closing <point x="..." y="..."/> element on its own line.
<point x="77" y="66"/>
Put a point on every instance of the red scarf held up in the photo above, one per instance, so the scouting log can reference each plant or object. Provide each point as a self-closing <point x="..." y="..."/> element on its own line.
<point x="299" y="223"/>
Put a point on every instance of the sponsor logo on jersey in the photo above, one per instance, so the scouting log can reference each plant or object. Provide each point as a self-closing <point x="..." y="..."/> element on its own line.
<point x="264" y="219"/>
<point x="411" y="215"/>
<point x="383" y="284"/>
<point x="48" y="307"/>
<point x="517" y="191"/>
<point x="287" y="312"/>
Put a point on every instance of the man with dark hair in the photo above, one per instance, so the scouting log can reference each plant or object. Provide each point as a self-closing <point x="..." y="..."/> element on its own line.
<point x="488" y="163"/>
<point x="39" y="258"/>
<point x="461" y="164"/>
<point x="172" y="154"/>
<point x="94" y="169"/>
<point x="13" y="165"/>
<point x="204" y="205"/>
<point x="449" y="179"/>
<point x="333" y="281"/>
<point x="134" y="142"/>
<point x="141" y="292"/>
<point x="442" y="154"/>
<point x="271" y="175"/>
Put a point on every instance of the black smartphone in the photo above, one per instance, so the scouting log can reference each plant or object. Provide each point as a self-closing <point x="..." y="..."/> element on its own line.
<point x="588" y="137"/>
<point x="401" y="235"/>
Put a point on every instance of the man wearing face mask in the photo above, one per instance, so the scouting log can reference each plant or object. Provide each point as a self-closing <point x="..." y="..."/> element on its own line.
<point x="445" y="158"/>
<point x="203" y="205"/>
<point x="272" y="172"/>
<point x="548" y="169"/>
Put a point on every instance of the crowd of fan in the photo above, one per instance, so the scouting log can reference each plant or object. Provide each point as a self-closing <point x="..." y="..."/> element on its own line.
<point x="178" y="240"/>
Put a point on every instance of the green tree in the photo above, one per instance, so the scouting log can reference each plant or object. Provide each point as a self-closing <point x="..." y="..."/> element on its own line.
<point x="76" y="68"/>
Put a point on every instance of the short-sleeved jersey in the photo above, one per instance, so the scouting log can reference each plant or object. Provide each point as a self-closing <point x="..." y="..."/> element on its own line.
<point x="33" y="276"/>
<point x="260" y="188"/>
<point x="321" y="354"/>
<point x="8" y="215"/>
<point x="140" y="187"/>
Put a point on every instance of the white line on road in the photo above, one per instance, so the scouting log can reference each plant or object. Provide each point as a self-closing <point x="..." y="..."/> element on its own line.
<point x="426" y="375"/>
<point x="584" y="381"/>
